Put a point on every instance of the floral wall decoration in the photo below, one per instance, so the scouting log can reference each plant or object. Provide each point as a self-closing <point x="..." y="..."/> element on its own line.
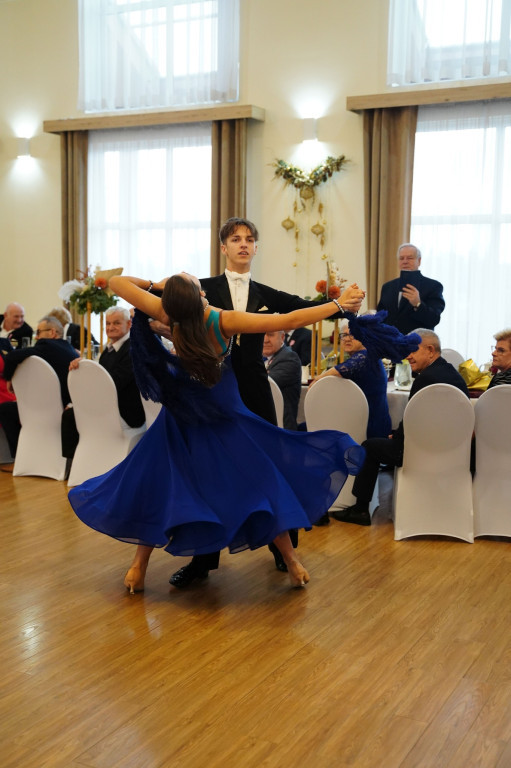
<point x="307" y="198"/>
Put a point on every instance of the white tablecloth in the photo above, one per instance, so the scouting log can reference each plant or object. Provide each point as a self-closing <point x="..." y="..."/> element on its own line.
<point x="397" y="400"/>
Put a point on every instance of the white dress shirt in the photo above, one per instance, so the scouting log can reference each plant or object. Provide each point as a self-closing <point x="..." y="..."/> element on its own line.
<point x="238" y="286"/>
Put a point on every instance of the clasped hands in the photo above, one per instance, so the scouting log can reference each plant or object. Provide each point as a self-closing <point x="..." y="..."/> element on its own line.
<point x="351" y="298"/>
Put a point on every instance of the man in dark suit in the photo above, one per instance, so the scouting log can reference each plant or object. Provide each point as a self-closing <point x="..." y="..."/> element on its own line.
<point x="417" y="303"/>
<point x="235" y="290"/>
<point x="431" y="369"/>
<point x="283" y="365"/>
<point x="58" y="353"/>
<point x="116" y="358"/>
<point x="13" y="325"/>
<point x="300" y="341"/>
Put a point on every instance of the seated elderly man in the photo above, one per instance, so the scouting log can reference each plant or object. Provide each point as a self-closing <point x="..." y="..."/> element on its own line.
<point x="58" y="353"/>
<point x="116" y="359"/>
<point x="501" y="358"/>
<point x="284" y="367"/>
<point x="430" y="368"/>
<point x="71" y="330"/>
<point x="13" y="325"/>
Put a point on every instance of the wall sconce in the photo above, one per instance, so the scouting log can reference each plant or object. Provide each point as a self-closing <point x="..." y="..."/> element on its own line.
<point x="23" y="147"/>
<point x="310" y="129"/>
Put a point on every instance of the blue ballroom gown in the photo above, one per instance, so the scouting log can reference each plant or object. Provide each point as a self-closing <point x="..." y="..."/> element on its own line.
<point x="208" y="473"/>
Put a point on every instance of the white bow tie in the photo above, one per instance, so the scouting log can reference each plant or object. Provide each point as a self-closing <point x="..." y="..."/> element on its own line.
<point x="244" y="278"/>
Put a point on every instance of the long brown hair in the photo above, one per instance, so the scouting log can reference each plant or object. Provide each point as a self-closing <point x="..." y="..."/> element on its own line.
<point x="182" y="303"/>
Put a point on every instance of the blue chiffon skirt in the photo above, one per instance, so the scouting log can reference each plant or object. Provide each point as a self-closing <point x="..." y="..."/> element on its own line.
<point x="232" y="481"/>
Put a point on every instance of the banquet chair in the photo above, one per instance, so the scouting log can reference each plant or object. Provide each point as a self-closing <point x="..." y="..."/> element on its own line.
<point x="453" y="357"/>
<point x="103" y="441"/>
<point x="337" y="403"/>
<point x="40" y="409"/>
<point x="492" y="479"/>
<point x="151" y="410"/>
<point x="278" y="401"/>
<point x="433" y="488"/>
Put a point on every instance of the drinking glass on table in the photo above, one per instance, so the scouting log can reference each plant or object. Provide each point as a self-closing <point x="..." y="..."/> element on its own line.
<point x="403" y="374"/>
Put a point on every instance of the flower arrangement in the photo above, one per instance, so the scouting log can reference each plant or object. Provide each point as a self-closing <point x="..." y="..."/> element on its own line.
<point x="90" y="289"/>
<point x="332" y="292"/>
<point x="332" y="287"/>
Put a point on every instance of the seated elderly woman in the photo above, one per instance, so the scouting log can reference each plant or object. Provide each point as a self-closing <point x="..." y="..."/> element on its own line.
<point x="366" y="341"/>
<point x="501" y="358"/>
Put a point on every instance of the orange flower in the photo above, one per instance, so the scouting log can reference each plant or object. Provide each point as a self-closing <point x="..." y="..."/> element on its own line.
<point x="321" y="286"/>
<point x="334" y="292"/>
<point x="100" y="282"/>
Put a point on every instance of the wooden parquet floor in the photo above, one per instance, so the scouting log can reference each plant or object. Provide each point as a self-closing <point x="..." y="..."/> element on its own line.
<point x="397" y="655"/>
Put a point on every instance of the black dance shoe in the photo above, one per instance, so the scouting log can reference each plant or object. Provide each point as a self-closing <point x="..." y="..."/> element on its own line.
<point x="323" y="520"/>
<point x="277" y="556"/>
<point x="186" y="575"/>
<point x="353" y="515"/>
<point x="279" y="561"/>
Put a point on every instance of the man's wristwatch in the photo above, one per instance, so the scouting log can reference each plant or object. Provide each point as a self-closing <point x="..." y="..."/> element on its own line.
<point x="417" y="307"/>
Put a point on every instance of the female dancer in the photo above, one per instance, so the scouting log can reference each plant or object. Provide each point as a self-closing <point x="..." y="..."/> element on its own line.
<point x="209" y="473"/>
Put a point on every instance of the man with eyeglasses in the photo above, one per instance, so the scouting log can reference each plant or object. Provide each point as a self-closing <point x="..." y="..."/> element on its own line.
<point x="52" y="347"/>
<point x="501" y="358"/>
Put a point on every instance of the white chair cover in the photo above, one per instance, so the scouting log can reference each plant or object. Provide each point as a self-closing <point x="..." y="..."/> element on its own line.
<point x="151" y="410"/>
<point x="40" y="409"/>
<point x="103" y="442"/>
<point x="453" y="357"/>
<point x="433" y="488"/>
<point x="278" y="400"/>
<point x="492" y="480"/>
<point x="337" y="403"/>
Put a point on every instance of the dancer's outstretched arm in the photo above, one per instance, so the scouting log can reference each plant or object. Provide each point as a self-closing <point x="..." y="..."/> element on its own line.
<point x="135" y="291"/>
<point x="234" y="322"/>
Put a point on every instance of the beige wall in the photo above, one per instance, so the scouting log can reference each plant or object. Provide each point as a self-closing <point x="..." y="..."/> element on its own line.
<point x="292" y="53"/>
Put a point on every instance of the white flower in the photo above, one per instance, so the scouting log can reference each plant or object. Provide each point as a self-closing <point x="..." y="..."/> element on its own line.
<point x="67" y="290"/>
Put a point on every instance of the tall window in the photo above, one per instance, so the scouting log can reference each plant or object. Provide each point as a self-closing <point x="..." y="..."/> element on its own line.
<point x="461" y="218"/>
<point x="136" y="54"/>
<point x="149" y="206"/>
<point x="436" y="40"/>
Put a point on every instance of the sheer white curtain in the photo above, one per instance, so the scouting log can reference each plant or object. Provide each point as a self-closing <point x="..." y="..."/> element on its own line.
<point x="436" y="40"/>
<point x="461" y="218"/>
<point x="136" y="54"/>
<point x="149" y="200"/>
